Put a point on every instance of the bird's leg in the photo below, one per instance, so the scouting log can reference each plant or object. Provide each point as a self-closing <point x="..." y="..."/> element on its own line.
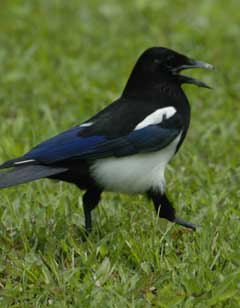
<point x="165" y="209"/>
<point x="91" y="199"/>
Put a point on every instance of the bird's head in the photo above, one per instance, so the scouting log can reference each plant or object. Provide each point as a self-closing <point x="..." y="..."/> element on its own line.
<point x="157" y="65"/>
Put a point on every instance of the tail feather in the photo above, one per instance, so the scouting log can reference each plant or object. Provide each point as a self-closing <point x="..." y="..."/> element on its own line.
<point x="23" y="174"/>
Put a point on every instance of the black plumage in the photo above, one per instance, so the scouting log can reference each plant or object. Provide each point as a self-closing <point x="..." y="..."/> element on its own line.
<point x="113" y="150"/>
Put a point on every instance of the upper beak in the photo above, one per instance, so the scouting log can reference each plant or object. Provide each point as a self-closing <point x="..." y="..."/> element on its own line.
<point x="193" y="64"/>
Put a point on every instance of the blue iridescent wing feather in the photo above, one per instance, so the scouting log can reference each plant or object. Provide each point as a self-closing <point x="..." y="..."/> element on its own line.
<point x="69" y="145"/>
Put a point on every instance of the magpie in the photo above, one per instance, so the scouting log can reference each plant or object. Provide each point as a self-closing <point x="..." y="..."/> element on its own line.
<point x="126" y="146"/>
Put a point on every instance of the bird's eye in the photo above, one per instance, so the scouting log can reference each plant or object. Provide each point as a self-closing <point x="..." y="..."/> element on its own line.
<point x="157" y="61"/>
<point x="170" y="57"/>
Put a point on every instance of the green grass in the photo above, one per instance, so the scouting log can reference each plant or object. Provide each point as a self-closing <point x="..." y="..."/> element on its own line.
<point x="62" y="61"/>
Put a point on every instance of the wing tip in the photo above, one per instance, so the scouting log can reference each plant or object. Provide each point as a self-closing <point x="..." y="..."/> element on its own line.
<point x="17" y="162"/>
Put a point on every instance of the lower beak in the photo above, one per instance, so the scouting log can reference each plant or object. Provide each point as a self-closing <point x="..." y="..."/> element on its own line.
<point x="199" y="83"/>
<point x="194" y="64"/>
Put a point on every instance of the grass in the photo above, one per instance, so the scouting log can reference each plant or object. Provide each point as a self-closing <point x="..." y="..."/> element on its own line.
<point x="60" y="62"/>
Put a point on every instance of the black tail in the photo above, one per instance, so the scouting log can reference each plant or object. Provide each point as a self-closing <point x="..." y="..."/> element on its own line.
<point x="23" y="174"/>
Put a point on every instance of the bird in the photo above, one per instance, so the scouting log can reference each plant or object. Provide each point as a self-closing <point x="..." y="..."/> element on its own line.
<point x="125" y="147"/>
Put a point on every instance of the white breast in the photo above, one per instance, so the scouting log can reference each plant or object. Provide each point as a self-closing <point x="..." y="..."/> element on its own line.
<point x="136" y="173"/>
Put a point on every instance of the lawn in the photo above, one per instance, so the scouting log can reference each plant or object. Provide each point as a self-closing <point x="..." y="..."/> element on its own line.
<point x="62" y="61"/>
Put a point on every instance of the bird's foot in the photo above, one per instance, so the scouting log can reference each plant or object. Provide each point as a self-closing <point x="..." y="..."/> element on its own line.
<point x="184" y="223"/>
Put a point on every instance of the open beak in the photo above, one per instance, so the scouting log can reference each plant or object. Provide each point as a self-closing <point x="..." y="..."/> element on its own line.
<point x="193" y="64"/>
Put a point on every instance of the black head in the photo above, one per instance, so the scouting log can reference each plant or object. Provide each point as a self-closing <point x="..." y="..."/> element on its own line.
<point x="157" y="65"/>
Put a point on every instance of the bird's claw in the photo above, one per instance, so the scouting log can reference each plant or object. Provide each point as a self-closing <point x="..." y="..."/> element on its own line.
<point x="184" y="223"/>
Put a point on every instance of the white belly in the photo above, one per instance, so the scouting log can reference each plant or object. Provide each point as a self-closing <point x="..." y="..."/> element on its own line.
<point x="136" y="173"/>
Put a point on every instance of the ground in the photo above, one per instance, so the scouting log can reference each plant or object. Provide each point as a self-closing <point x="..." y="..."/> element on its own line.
<point x="62" y="61"/>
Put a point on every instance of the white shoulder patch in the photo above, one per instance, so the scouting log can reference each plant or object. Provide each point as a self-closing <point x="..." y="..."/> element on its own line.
<point x="157" y="117"/>
<point x="86" y="124"/>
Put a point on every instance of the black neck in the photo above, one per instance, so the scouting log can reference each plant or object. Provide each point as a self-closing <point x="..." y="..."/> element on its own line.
<point x="140" y="86"/>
